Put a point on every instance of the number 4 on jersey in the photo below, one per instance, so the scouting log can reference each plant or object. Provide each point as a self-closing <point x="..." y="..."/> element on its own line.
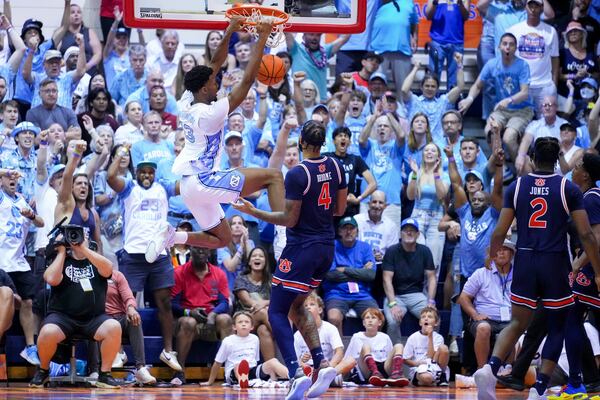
<point x="324" y="197"/>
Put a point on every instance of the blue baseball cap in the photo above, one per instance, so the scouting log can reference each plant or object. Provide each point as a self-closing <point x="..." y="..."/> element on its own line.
<point x="55" y="170"/>
<point x="475" y="173"/>
<point x="24" y="127"/>
<point x="409" y="222"/>
<point x="347" y="221"/>
<point x="143" y="164"/>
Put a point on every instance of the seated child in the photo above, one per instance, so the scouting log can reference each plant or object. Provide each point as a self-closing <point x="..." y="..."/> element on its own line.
<point x="426" y="353"/>
<point x="241" y="354"/>
<point x="379" y="362"/>
<point x="331" y="343"/>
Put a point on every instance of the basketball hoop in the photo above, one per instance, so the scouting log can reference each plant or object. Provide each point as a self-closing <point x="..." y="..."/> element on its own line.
<point x="253" y="14"/>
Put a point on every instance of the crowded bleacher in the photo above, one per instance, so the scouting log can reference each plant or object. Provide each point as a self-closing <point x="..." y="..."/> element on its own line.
<point x="429" y="135"/>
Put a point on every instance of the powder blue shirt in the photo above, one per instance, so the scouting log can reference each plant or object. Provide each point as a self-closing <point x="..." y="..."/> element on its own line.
<point x="23" y="90"/>
<point x="65" y="83"/>
<point x="507" y="79"/>
<point x="124" y="84"/>
<point x="475" y="235"/>
<point x="303" y="62"/>
<point x="434" y="109"/>
<point x="428" y="199"/>
<point x="391" y="29"/>
<point x="145" y="150"/>
<point x="385" y="163"/>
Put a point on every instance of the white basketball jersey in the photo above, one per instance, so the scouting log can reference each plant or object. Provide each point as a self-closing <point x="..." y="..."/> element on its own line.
<point x="143" y="209"/>
<point x="13" y="231"/>
<point x="203" y="128"/>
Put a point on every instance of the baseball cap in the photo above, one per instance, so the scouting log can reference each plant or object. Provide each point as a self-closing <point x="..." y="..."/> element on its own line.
<point x="233" y="134"/>
<point x="320" y="107"/>
<point x="24" y="127"/>
<point x="475" y="173"/>
<point x="378" y="75"/>
<point x="70" y="51"/>
<point x="122" y="31"/>
<point x="51" y="54"/>
<point x="142" y="164"/>
<point x="32" y="24"/>
<point x="55" y="170"/>
<point x="590" y="81"/>
<point x="535" y="1"/>
<point x="510" y="245"/>
<point x="391" y="94"/>
<point x="574" y="25"/>
<point x="374" y="55"/>
<point x="409" y="222"/>
<point x="347" y="221"/>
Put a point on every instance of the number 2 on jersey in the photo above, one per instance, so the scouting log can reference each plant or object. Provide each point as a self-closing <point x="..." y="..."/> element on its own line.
<point x="324" y="197"/>
<point x="540" y="207"/>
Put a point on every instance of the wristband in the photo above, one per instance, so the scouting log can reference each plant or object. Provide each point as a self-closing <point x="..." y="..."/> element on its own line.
<point x="499" y="165"/>
<point x="186" y="312"/>
<point x="392" y="304"/>
<point x="32" y="217"/>
<point x="431" y="301"/>
<point x="510" y="100"/>
<point x="459" y="66"/>
<point x="451" y="159"/>
<point x="43" y="143"/>
<point x="571" y="93"/>
<point x="414" y="177"/>
<point x="76" y="154"/>
<point x="470" y="98"/>
<point x="436" y="177"/>
<point x="522" y="154"/>
<point x="262" y="97"/>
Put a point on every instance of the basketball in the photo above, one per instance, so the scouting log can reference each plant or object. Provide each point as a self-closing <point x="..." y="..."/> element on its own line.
<point x="271" y="70"/>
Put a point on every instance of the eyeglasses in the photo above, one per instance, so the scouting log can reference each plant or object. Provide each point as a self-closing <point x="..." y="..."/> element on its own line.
<point x="50" y="91"/>
<point x="548" y="105"/>
<point x="450" y="122"/>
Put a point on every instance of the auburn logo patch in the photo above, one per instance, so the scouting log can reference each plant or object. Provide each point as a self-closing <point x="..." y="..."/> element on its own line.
<point x="285" y="265"/>
<point x="540" y="182"/>
<point x="322" y="168"/>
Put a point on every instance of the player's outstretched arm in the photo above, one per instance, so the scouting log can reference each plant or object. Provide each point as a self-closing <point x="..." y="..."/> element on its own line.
<point x="504" y="222"/>
<point x="239" y="92"/>
<point x="588" y="239"/>
<point x="288" y="217"/>
<point x="222" y="50"/>
<point x="341" y="202"/>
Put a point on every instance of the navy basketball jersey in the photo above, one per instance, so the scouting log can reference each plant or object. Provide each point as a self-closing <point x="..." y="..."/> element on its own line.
<point x="542" y="205"/>
<point x="315" y="182"/>
<point x="591" y="201"/>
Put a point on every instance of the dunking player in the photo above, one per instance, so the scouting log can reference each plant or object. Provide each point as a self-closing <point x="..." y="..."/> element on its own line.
<point x="315" y="191"/>
<point x="585" y="281"/>
<point x="542" y="203"/>
<point x="203" y="185"/>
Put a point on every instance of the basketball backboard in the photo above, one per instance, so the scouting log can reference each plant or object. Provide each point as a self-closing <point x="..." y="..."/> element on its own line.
<point x="321" y="16"/>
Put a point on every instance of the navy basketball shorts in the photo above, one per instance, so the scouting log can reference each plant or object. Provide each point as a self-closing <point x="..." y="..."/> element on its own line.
<point x="584" y="286"/>
<point x="541" y="276"/>
<point x="302" y="267"/>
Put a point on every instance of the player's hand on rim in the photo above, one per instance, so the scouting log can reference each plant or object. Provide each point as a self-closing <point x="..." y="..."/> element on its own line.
<point x="265" y="26"/>
<point x="236" y="23"/>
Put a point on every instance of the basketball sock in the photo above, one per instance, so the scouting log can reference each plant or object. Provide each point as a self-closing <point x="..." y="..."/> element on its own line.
<point x="557" y="322"/>
<point x="317" y="356"/>
<point x="541" y="383"/>
<point x="370" y="362"/>
<point x="180" y="237"/>
<point x="573" y="343"/>
<point x="397" y="363"/>
<point x="281" y="301"/>
<point x="495" y="364"/>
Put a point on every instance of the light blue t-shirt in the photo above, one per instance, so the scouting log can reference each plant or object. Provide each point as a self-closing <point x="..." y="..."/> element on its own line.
<point x="434" y="109"/>
<point x="391" y="29"/>
<point x="494" y="9"/>
<point x="145" y="150"/>
<point x="115" y="65"/>
<point x="303" y="62"/>
<point x="428" y="199"/>
<point x="475" y="235"/>
<point x="23" y="90"/>
<point x="385" y="163"/>
<point x="360" y="41"/>
<point x="507" y="79"/>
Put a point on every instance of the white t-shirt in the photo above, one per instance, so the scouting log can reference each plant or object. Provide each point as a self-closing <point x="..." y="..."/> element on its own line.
<point x="330" y="340"/>
<point x="417" y="345"/>
<point x="46" y="199"/>
<point x="128" y="133"/>
<point x="539" y="128"/>
<point x="142" y="209"/>
<point x="13" y="231"/>
<point x="537" y="45"/>
<point x="380" y="344"/>
<point x="203" y="129"/>
<point x="381" y="235"/>
<point x="235" y="348"/>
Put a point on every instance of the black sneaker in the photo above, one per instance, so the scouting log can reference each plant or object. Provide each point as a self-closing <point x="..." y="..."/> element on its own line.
<point x="106" y="381"/>
<point x="178" y="379"/>
<point x="41" y="377"/>
<point x="442" y="380"/>
<point x="593" y="387"/>
<point x="511" y="382"/>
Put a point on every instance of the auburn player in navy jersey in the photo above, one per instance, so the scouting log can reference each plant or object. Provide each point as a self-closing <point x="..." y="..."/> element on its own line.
<point x="542" y="203"/>
<point x="315" y="191"/>
<point x="585" y="280"/>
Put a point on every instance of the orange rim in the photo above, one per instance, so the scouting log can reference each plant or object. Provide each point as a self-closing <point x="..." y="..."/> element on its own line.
<point x="243" y="10"/>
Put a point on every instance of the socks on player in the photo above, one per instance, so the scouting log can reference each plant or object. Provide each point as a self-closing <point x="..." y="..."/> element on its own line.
<point x="574" y="344"/>
<point x="541" y="383"/>
<point x="397" y="363"/>
<point x="371" y="365"/>
<point x="281" y="301"/>
<point x="495" y="364"/>
<point x="317" y="356"/>
<point x="180" y="237"/>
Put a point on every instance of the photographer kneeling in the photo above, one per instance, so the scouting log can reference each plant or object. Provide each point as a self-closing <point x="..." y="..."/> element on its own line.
<point x="78" y="277"/>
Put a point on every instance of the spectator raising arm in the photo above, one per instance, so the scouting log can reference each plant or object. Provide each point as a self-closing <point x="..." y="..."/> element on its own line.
<point x="66" y="202"/>
<point x="297" y="96"/>
<point x="363" y="139"/>
<point x="81" y="62"/>
<point x="276" y="159"/>
<point x="455" y="92"/>
<point x="42" y="158"/>
<point x="109" y="42"/>
<point x="15" y="58"/>
<point x="62" y="30"/>
<point x="408" y="82"/>
<point x="348" y="81"/>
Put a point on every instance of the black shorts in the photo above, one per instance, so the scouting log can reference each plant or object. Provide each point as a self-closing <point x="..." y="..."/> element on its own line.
<point x="70" y="326"/>
<point x="25" y="283"/>
<point x="302" y="267"/>
<point x="255" y="373"/>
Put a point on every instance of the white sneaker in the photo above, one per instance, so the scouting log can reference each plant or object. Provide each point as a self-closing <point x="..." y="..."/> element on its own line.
<point x="464" y="382"/>
<point x="453" y="348"/>
<point x="338" y="381"/>
<point x="93" y="377"/>
<point x="324" y="378"/>
<point x="162" y="240"/>
<point x="142" y="375"/>
<point x="486" y="383"/>
<point x="120" y="360"/>
<point x="298" y="388"/>
<point x="170" y="358"/>
<point x="533" y="395"/>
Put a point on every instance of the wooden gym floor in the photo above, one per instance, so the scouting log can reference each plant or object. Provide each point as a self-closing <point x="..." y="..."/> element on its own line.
<point x="19" y="391"/>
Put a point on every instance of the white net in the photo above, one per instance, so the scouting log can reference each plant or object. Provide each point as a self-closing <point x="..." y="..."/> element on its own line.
<point x="254" y="15"/>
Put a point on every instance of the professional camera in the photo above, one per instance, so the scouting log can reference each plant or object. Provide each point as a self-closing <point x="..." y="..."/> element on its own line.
<point x="72" y="235"/>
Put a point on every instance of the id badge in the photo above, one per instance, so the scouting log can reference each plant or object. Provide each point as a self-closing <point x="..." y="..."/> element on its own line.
<point x="504" y="313"/>
<point x="353" y="287"/>
<point x="86" y="285"/>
